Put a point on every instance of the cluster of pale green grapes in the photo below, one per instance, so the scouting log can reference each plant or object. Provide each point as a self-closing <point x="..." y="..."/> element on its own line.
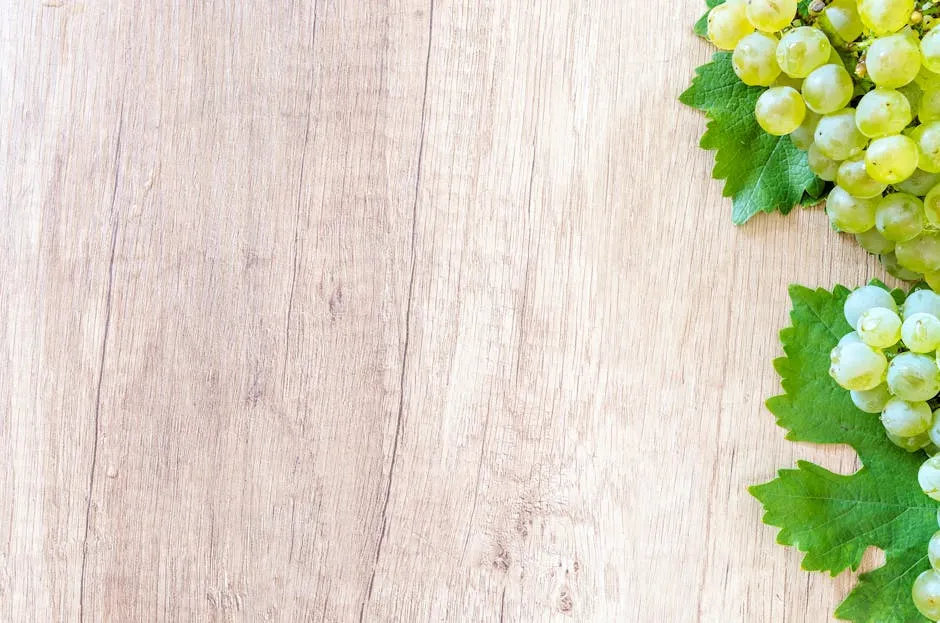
<point x="891" y="365"/>
<point x="855" y="84"/>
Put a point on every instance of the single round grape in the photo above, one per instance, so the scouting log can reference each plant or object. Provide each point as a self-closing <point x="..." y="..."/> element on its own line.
<point x="854" y="178"/>
<point x="932" y="206"/>
<point x="921" y="333"/>
<point x="864" y="298"/>
<point x="899" y="216"/>
<point x="837" y="137"/>
<point x="919" y="184"/>
<point x="933" y="279"/>
<point x="882" y="112"/>
<point x="885" y="16"/>
<point x="873" y="242"/>
<point x="913" y="377"/>
<point x="893" y="61"/>
<point x="921" y="302"/>
<point x="910" y="444"/>
<point x="927" y="79"/>
<point x="828" y="89"/>
<point x="929" y="106"/>
<point x="857" y="366"/>
<point x="892" y="159"/>
<point x="780" y="110"/>
<point x="802" y="50"/>
<point x="771" y="15"/>
<point x="822" y="166"/>
<point x="906" y="419"/>
<point x="872" y="400"/>
<point x="728" y="24"/>
<point x="840" y="19"/>
<point x="926" y="589"/>
<point x="930" y="50"/>
<point x="929" y="478"/>
<point x="803" y="137"/>
<point x="934" y="431"/>
<point x="755" y="59"/>
<point x="848" y="213"/>
<point x="921" y="253"/>
<point x="933" y="551"/>
<point x="880" y="327"/>
<point x="927" y="137"/>
<point x="890" y="263"/>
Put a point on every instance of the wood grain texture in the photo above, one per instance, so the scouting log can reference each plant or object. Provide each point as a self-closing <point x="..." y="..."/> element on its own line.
<point x="384" y="311"/>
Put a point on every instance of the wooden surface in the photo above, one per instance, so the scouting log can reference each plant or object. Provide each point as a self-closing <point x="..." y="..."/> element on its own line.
<point x="384" y="311"/>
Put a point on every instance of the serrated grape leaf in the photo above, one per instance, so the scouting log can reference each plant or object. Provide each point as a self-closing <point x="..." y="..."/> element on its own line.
<point x="763" y="173"/>
<point x="830" y="517"/>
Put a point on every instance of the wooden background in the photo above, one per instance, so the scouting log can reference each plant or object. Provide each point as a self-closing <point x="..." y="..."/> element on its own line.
<point x="347" y="310"/>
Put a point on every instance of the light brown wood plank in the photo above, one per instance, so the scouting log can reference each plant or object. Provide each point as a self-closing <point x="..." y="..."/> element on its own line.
<point x="424" y="310"/>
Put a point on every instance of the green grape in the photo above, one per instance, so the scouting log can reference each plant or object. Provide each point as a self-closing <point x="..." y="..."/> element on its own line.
<point x="882" y="112"/>
<point x="850" y="214"/>
<point x="890" y="263"/>
<point x="841" y="19"/>
<point x="920" y="254"/>
<point x="913" y="377"/>
<point x="771" y="15"/>
<point x="927" y="137"/>
<point x="932" y="206"/>
<point x="755" y="59"/>
<point x="929" y="106"/>
<point x="910" y="444"/>
<point x="921" y="302"/>
<point x="933" y="279"/>
<point x="921" y="333"/>
<point x="849" y="338"/>
<point x="857" y="366"/>
<point x="926" y="589"/>
<point x="802" y="50"/>
<point x="930" y="50"/>
<point x="892" y="159"/>
<point x="864" y="298"/>
<point x="828" y="89"/>
<point x="822" y="166"/>
<point x="780" y="110"/>
<point x="871" y="400"/>
<point x="899" y="216"/>
<point x="837" y="137"/>
<point x="934" y="431"/>
<point x="873" y="242"/>
<point x="903" y="418"/>
<point x="727" y="24"/>
<point x="933" y="551"/>
<point x="927" y="79"/>
<point x="885" y="16"/>
<point x="854" y="178"/>
<point x="893" y="61"/>
<point x="880" y="327"/>
<point x="928" y="476"/>
<point x="802" y="137"/>
<point x="919" y="184"/>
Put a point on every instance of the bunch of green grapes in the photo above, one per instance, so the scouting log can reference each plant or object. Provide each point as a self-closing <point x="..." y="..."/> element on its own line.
<point x="855" y="84"/>
<point x="891" y="366"/>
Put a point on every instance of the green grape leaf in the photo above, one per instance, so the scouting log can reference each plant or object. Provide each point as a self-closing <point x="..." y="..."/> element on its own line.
<point x="833" y="518"/>
<point x="762" y="173"/>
